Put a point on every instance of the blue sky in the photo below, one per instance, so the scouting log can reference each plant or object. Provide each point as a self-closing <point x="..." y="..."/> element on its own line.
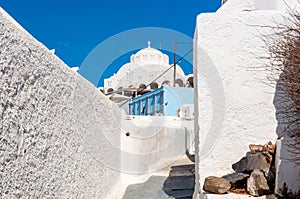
<point x="76" y="27"/>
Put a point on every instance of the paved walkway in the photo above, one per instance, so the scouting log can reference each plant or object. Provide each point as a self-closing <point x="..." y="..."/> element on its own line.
<point x="179" y="185"/>
<point x="151" y="189"/>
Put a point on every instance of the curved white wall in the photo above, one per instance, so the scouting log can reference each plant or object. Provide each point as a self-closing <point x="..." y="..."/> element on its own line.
<point x="153" y="142"/>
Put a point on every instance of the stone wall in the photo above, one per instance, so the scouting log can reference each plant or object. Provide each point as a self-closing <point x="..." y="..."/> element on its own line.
<point x="59" y="136"/>
<point x="235" y="100"/>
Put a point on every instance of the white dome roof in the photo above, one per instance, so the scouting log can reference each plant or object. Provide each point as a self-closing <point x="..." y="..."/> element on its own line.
<point x="149" y="51"/>
<point x="146" y="65"/>
<point x="148" y="56"/>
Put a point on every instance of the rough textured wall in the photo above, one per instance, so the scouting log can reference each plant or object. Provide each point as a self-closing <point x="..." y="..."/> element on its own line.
<point x="235" y="103"/>
<point x="59" y="136"/>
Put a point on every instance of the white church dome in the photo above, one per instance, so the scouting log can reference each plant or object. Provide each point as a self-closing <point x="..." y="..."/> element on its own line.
<point x="144" y="67"/>
<point x="148" y="56"/>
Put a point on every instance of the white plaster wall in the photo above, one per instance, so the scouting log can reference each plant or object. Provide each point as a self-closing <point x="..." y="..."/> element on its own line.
<point x="287" y="171"/>
<point x="59" y="136"/>
<point x="235" y="105"/>
<point x="154" y="142"/>
<point x="265" y="5"/>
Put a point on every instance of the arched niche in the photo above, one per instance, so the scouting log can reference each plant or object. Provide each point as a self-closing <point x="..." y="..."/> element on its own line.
<point x="179" y="83"/>
<point x="154" y="85"/>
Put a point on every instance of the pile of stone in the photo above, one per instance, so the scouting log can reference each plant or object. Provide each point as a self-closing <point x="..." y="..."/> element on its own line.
<point x="254" y="174"/>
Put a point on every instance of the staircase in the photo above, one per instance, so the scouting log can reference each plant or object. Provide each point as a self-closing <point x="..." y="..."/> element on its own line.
<point x="181" y="182"/>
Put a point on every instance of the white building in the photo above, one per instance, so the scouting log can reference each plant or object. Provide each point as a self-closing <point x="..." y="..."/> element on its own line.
<point x="234" y="106"/>
<point x="144" y="67"/>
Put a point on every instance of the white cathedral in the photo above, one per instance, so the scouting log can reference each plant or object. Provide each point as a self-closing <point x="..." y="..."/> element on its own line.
<point x="144" y="67"/>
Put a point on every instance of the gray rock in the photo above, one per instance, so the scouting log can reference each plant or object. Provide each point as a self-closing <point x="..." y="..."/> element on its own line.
<point x="257" y="184"/>
<point x="268" y="147"/>
<point x="237" y="180"/>
<point x="256" y="148"/>
<point x="268" y="156"/>
<point x="216" y="185"/>
<point x="267" y="150"/>
<point x="251" y="162"/>
<point x="270" y="174"/>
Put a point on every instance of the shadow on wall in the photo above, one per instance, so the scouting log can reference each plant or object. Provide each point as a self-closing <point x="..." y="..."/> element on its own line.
<point x="284" y="47"/>
<point x="287" y="153"/>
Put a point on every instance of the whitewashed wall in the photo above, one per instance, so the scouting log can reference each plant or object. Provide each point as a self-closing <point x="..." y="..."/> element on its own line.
<point x="235" y="105"/>
<point x="151" y="143"/>
<point x="59" y="136"/>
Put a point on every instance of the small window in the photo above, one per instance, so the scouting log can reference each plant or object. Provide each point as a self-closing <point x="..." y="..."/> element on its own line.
<point x="110" y="90"/>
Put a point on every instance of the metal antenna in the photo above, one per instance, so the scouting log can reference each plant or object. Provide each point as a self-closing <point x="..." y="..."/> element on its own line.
<point x="175" y="48"/>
